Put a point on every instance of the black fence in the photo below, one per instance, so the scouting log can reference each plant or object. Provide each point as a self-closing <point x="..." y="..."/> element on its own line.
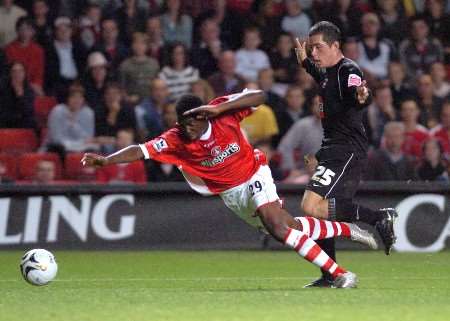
<point x="171" y="216"/>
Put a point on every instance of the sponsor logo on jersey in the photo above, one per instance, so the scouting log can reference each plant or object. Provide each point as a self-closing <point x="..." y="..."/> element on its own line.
<point x="323" y="84"/>
<point x="321" y="112"/>
<point x="160" y="144"/>
<point x="354" y="80"/>
<point x="231" y="149"/>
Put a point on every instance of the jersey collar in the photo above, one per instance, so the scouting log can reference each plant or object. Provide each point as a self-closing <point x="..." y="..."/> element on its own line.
<point x="207" y="134"/>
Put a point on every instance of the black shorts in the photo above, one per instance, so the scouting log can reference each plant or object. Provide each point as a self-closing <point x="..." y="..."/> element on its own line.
<point x="337" y="174"/>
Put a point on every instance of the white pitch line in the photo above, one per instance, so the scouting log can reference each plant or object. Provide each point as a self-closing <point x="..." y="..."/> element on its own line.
<point x="219" y="279"/>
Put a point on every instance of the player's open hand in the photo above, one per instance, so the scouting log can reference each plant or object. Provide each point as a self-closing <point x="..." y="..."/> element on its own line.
<point x="300" y="50"/>
<point x="90" y="159"/>
<point x="362" y="92"/>
<point x="203" y="112"/>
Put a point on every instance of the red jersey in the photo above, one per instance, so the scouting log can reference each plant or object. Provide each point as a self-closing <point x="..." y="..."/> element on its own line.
<point x="442" y="134"/>
<point x="414" y="141"/>
<point x="219" y="160"/>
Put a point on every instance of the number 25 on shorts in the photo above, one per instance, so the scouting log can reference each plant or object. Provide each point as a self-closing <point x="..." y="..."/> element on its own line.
<point x="323" y="175"/>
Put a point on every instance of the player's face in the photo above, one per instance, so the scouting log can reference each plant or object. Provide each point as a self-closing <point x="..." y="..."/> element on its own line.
<point x="323" y="54"/>
<point x="193" y="128"/>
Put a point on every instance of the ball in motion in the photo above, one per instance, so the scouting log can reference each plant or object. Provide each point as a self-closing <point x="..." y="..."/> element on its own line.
<point x="38" y="267"/>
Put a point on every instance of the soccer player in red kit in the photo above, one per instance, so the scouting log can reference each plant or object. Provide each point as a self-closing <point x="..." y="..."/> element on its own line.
<point x="208" y="147"/>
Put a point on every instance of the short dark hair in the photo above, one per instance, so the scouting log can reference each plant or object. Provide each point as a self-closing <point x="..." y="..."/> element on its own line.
<point x="185" y="103"/>
<point x="25" y="20"/>
<point x="329" y="31"/>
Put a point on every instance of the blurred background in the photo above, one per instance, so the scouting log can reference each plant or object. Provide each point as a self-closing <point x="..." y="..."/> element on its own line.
<point x="81" y="76"/>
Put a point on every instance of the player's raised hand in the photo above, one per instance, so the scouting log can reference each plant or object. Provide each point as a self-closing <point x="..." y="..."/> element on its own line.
<point x="362" y="92"/>
<point x="203" y="112"/>
<point x="90" y="159"/>
<point x="300" y="50"/>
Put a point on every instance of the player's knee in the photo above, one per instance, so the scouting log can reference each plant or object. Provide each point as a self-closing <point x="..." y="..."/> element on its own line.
<point x="274" y="219"/>
<point x="308" y="207"/>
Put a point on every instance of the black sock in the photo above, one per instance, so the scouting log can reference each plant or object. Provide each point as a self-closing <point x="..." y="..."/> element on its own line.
<point x="327" y="246"/>
<point x="344" y="210"/>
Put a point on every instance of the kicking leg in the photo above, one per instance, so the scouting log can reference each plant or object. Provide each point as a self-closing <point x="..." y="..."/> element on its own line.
<point x="284" y="228"/>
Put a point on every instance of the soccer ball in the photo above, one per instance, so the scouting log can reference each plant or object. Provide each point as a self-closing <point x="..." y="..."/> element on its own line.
<point x="38" y="267"/>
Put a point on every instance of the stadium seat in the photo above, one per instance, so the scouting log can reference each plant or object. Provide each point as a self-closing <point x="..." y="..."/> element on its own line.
<point x="10" y="163"/>
<point x="28" y="162"/>
<point x="75" y="171"/>
<point x="42" y="107"/>
<point x="17" y="140"/>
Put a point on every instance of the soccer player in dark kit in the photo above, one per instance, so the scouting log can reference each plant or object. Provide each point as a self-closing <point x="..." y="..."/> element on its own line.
<point x="342" y="156"/>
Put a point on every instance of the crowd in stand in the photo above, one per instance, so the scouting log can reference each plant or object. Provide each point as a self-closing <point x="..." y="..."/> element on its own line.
<point x="99" y="75"/>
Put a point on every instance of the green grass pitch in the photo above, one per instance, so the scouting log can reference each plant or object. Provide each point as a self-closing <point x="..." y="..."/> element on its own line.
<point x="226" y="286"/>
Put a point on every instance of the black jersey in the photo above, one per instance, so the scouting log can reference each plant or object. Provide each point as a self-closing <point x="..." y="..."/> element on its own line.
<point x="341" y="112"/>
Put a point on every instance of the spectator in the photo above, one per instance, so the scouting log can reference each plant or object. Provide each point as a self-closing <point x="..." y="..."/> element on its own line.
<point x="420" y="51"/>
<point x="64" y="59"/>
<point x="148" y="113"/>
<point x="442" y="131"/>
<point x="432" y="167"/>
<point x="295" y="22"/>
<point x="44" y="173"/>
<point x="390" y="163"/>
<point x="202" y="89"/>
<point x="393" y="21"/>
<point x="350" y="49"/>
<point x="4" y="178"/>
<point x="266" y="83"/>
<point x="109" y="44"/>
<point x="378" y="113"/>
<point x="268" y="21"/>
<point x="295" y="101"/>
<point x="71" y="124"/>
<point x="429" y="104"/>
<point x="400" y="89"/>
<point x="114" y="116"/>
<point x="302" y="139"/>
<point x="177" y="72"/>
<point x="123" y="173"/>
<point x="261" y="125"/>
<point x="153" y="29"/>
<point x="89" y="28"/>
<point x="206" y="53"/>
<point x="42" y="22"/>
<point x="302" y="176"/>
<point x="345" y="14"/>
<point x="374" y="53"/>
<point x="226" y="80"/>
<point x="96" y="79"/>
<point x="130" y="18"/>
<point x="250" y="60"/>
<point x="176" y="26"/>
<point x="440" y="84"/>
<point x="415" y="134"/>
<point x="9" y="14"/>
<point x="17" y="100"/>
<point x="136" y="72"/>
<point x="439" y="21"/>
<point x="283" y="60"/>
<point x="29" y="53"/>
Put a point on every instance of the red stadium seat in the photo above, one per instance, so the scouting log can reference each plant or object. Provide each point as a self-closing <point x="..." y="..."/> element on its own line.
<point x="75" y="171"/>
<point x="28" y="162"/>
<point x="42" y="107"/>
<point x="10" y="164"/>
<point x="17" y="140"/>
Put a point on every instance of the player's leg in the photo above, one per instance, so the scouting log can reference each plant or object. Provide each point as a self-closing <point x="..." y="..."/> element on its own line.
<point x="281" y="225"/>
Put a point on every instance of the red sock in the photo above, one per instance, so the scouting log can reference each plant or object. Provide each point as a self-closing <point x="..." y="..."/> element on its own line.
<point x="312" y="252"/>
<point x="322" y="229"/>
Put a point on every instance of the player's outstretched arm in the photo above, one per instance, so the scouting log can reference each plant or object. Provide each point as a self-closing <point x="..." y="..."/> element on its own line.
<point x="126" y="155"/>
<point x="243" y="100"/>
